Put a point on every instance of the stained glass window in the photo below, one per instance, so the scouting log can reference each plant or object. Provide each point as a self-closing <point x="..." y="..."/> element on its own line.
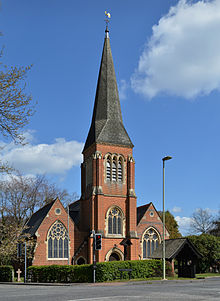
<point x="150" y="242"/>
<point x="57" y="241"/>
<point x="114" y="221"/>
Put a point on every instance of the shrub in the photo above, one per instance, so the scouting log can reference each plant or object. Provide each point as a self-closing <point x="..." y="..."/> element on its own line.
<point x="108" y="271"/>
<point x="6" y="273"/>
<point x="60" y="273"/>
<point x="105" y="271"/>
<point x="209" y="247"/>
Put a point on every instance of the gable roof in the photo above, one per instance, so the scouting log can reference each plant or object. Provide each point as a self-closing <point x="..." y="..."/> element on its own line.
<point x="173" y="247"/>
<point x="107" y="126"/>
<point x="141" y="211"/>
<point x="36" y="219"/>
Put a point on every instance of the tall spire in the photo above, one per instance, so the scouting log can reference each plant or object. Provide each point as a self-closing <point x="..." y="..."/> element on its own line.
<point x="107" y="125"/>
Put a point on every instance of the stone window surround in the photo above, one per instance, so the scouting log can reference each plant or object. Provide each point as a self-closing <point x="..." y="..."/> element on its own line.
<point x="142" y="239"/>
<point x="117" y="158"/>
<point x="123" y="222"/>
<point x="47" y="241"/>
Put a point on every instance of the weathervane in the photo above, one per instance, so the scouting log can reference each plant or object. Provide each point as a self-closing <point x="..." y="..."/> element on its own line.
<point x="108" y="16"/>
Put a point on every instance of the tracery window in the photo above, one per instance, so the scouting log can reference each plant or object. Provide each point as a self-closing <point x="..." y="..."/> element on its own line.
<point x="57" y="241"/>
<point x="150" y="242"/>
<point x="114" y="221"/>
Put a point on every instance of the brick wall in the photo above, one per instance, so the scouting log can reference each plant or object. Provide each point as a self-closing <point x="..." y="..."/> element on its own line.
<point x="40" y="256"/>
<point x="94" y="210"/>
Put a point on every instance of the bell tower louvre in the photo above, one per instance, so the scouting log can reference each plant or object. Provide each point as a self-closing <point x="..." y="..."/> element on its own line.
<point x="108" y="200"/>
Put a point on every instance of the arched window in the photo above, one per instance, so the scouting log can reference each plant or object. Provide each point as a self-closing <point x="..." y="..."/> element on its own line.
<point x="150" y="242"/>
<point x="114" y="168"/>
<point x="114" y="221"/>
<point x="57" y="241"/>
<point x="108" y="169"/>
<point x="119" y="171"/>
<point x="114" y="171"/>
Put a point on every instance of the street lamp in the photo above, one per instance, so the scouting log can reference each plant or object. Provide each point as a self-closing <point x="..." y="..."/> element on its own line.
<point x="164" y="251"/>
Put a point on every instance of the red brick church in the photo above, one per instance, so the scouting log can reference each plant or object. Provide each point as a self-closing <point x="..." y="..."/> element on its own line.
<point x="108" y="203"/>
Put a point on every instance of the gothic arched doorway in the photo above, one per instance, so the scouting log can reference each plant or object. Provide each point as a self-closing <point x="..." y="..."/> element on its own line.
<point x="114" y="257"/>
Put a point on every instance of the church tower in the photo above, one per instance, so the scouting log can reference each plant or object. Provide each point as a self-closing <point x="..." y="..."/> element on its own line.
<point x="108" y="200"/>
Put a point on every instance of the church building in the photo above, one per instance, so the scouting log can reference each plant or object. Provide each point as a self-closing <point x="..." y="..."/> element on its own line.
<point x="108" y="203"/>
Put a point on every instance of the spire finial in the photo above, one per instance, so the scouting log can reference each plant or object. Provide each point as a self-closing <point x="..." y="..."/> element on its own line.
<point x="108" y="16"/>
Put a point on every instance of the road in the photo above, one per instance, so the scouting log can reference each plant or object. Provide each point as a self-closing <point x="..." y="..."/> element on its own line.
<point x="208" y="289"/>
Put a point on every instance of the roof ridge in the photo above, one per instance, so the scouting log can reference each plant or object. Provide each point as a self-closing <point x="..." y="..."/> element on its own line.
<point x="44" y="206"/>
<point x="144" y="205"/>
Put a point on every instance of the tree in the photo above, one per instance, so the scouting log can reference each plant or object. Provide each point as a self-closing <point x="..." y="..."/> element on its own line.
<point x="202" y="221"/>
<point x="216" y="226"/>
<point x="171" y="224"/>
<point x="10" y="235"/>
<point x="209" y="247"/>
<point x="20" y="197"/>
<point x="16" y="106"/>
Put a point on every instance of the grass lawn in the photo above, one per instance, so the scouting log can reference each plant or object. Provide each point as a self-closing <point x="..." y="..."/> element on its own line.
<point x="205" y="275"/>
<point x="198" y="276"/>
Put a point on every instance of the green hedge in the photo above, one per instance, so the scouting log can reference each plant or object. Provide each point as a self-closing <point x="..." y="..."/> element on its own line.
<point x="60" y="273"/>
<point x="108" y="271"/>
<point x="105" y="271"/>
<point x="6" y="273"/>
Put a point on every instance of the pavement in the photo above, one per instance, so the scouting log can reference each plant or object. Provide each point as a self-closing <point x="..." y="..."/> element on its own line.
<point x="109" y="283"/>
<point x="153" y="290"/>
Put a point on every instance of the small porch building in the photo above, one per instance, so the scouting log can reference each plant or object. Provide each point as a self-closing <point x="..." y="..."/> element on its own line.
<point x="184" y="252"/>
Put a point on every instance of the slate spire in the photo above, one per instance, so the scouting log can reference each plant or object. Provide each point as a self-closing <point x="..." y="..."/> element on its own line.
<point x="107" y="125"/>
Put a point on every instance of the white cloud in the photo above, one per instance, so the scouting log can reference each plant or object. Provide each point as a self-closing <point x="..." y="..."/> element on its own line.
<point x="184" y="224"/>
<point x="122" y="87"/>
<point x="56" y="158"/>
<point x="182" y="56"/>
<point x="176" y="209"/>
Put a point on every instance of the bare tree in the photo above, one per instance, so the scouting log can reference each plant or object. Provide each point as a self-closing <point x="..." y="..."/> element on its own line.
<point x="216" y="226"/>
<point x="20" y="197"/>
<point x="16" y="106"/>
<point x="202" y="221"/>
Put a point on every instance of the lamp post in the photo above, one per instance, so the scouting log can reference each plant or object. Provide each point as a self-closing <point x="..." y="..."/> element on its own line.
<point x="164" y="251"/>
<point x="68" y="226"/>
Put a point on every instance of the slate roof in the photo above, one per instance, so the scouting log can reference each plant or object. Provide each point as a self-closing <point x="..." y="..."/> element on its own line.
<point x="36" y="219"/>
<point x="74" y="212"/>
<point x="107" y="125"/>
<point x="173" y="247"/>
<point x="141" y="211"/>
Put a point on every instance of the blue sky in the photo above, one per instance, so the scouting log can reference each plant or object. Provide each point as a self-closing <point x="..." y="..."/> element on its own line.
<point x="167" y="60"/>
